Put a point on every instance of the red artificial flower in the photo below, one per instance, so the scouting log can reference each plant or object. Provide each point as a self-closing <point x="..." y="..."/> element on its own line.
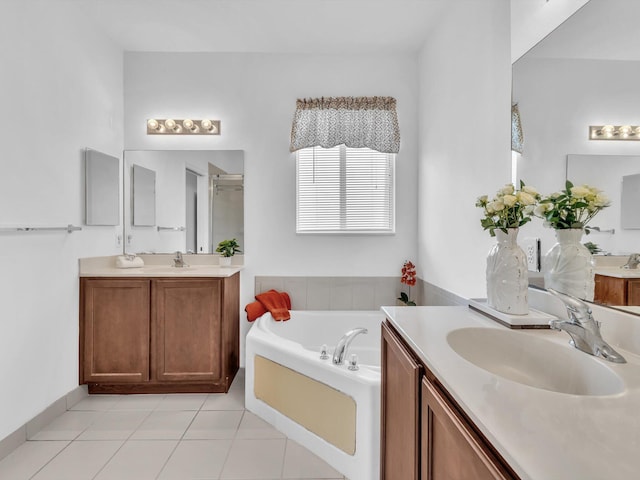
<point x="408" y="274"/>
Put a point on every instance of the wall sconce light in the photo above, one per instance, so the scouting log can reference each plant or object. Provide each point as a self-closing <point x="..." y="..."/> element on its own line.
<point x="614" y="132"/>
<point x="170" y="126"/>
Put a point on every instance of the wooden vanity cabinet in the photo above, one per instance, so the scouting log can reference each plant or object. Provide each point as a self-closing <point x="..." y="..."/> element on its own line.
<point x="159" y="335"/>
<point x="425" y="435"/>
<point x="617" y="291"/>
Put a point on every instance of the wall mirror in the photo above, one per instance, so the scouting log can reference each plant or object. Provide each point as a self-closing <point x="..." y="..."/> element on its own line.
<point x="199" y="200"/>
<point x="581" y="75"/>
<point x="102" y="188"/>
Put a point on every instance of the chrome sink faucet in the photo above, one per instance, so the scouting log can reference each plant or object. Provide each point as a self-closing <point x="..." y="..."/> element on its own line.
<point x="632" y="262"/>
<point x="583" y="329"/>
<point x="178" y="261"/>
<point x="340" y="353"/>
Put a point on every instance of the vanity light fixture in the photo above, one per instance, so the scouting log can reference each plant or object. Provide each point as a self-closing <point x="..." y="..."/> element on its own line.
<point x="614" y="132"/>
<point x="170" y="126"/>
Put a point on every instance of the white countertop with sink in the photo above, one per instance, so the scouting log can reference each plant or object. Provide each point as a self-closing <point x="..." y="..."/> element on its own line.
<point x="542" y="434"/>
<point x="159" y="265"/>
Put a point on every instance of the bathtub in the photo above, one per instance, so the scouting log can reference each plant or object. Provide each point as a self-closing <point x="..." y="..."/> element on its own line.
<point x="329" y="409"/>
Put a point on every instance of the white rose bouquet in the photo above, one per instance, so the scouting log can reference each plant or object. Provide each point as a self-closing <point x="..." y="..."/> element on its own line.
<point x="572" y="207"/>
<point x="510" y="208"/>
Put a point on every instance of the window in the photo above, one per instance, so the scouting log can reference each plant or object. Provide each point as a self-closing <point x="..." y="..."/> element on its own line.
<point x="345" y="190"/>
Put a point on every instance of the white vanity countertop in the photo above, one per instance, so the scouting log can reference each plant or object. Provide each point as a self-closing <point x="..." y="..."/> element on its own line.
<point x="618" y="272"/>
<point x="157" y="266"/>
<point x="543" y="435"/>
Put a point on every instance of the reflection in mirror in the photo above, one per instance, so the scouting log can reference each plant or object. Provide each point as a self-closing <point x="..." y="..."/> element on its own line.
<point x="630" y="216"/>
<point x="579" y="75"/>
<point x="102" y="188"/>
<point x="194" y="210"/>
<point x="143" y="196"/>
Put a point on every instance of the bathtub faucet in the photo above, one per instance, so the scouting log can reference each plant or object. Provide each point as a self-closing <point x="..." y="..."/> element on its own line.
<point x="340" y="353"/>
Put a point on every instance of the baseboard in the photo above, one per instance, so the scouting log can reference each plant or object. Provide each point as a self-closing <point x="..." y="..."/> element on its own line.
<point x="33" y="426"/>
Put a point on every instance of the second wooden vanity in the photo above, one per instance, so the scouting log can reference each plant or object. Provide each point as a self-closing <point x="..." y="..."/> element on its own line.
<point x="159" y="334"/>
<point x="466" y="398"/>
<point x="425" y="435"/>
<point x="610" y="290"/>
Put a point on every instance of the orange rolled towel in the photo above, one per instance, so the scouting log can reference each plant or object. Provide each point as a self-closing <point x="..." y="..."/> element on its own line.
<point x="254" y="311"/>
<point x="266" y="300"/>
<point x="277" y="303"/>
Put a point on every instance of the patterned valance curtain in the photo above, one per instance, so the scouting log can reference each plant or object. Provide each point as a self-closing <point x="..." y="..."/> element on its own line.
<point x="517" y="139"/>
<point x="353" y="121"/>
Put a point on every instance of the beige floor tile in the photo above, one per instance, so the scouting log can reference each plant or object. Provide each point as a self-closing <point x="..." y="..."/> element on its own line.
<point x="97" y="402"/>
<point x="182" y="401"/>
<point x="138" y="460"/>
<point x="79" y="461"/>
<point x="214" y="425"/>
<point x="114" y="425"/>
<point x="28" y="458"/>
<point x="253" y="426"/>
<point x="254" y="459"/>
<point x="233" y="400"/>
<point x="196" y="460"/>
<point x="301" y="463"/>
<point x="164" y="425"/>
<point x="138" y="402"/>
<point x="67" y="426"/>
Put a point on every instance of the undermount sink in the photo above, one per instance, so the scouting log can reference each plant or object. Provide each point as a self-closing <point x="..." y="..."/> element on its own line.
<point x="534" y="361"/>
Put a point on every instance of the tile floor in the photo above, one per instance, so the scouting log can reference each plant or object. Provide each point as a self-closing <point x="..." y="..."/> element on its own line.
<point x="163" y="437"/>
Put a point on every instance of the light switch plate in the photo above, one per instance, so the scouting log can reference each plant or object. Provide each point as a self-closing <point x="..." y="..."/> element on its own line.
<point x="531" y="247"/>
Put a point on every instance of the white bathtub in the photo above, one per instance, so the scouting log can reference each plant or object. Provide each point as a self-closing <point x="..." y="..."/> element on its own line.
<point x="295" y="388"/>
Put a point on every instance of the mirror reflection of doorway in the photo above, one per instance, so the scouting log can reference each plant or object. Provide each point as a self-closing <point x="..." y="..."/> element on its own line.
<point x="192" y="211"/>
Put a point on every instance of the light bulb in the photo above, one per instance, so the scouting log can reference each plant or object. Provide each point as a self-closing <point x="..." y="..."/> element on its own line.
<point x="206" y="124"/>
<point x="625" y="131"/>
<point x="177" y="129"/>
<point x="187" y="123"/>
<point x="170" y="123"/>
<point x="607" y="130"/>
<point x="152" y="124"/>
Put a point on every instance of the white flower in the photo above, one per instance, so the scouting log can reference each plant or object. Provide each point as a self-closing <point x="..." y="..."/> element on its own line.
<point x="601" y="200"/>
<point x="509" y="200"/>
<point x="541" y="209"/>
<point x="496" y="205"/>
<point x="529" y="209"/>
<point x="526" y="198"/>
<point x="580" y="192"/>
<point x="506" y="190"/>
<point x="530" y="190"/>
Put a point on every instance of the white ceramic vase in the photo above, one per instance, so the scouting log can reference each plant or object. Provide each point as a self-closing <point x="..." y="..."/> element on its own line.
<point x="568" y="265"/>
<point x="225" y="261"/>
<point x="507" y="275"/>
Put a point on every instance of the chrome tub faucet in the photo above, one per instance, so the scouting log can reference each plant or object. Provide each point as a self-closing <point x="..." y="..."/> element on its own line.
<point x="583" y="329"/>
<point x="340" y="353"/>
<point x="632" y="261"/>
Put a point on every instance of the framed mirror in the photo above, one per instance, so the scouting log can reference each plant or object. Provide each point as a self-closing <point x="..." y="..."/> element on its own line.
<point x="580" y="75"/>
<point x="199" y="200"/>
<point x="102" y="188"/>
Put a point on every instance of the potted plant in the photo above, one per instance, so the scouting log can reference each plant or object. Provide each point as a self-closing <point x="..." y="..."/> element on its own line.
<point x="227" y="249"/>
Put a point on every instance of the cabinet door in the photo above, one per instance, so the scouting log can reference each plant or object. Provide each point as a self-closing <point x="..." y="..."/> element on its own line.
<point x="610" y="290"/>
<point x="450" y="449"/>
<point x="186" y="341"/>
<point x="633" y="292"/>
<point x="114" y="331"/>
<point x="400" y="411"/>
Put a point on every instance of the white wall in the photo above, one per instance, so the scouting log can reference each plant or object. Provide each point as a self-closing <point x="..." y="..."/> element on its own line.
<point x="60" y="91"/>
<point x="558" y="100"/>
<point x="465" y="74"/>
<point x="254" y="95"/>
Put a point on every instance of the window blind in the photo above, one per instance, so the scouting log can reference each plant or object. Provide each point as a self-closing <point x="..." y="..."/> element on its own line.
<point x="341" y="189"/>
